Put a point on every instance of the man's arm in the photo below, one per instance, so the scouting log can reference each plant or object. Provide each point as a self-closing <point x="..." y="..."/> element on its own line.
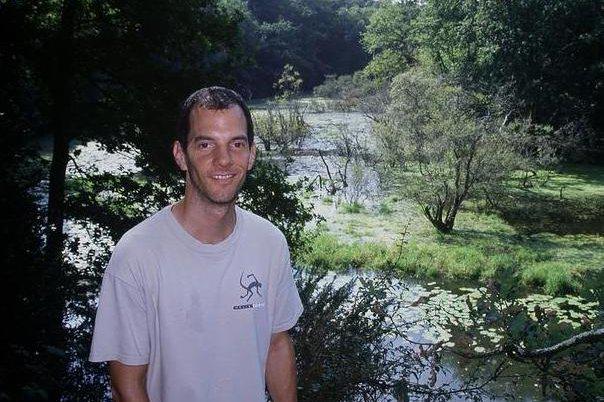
<point x="128" y="382"/>
<point x="281" y="368"/>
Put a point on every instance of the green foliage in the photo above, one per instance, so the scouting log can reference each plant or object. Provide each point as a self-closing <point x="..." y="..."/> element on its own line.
<point x="351" y="356"/>
<point x="348" y="88"/>
<point x="327" y="253"/>
<point x="553" y="277"/>
<point x="327" y="200"/>
<point x="267" y="193"/>
<point x="118" y="202"/>
<point x="389" y="38"/>
<point x="319" y="37"/>
<point x="512" y="49"/>
<point x="567" y="201"/>
<point x="384" y="208"/>
<point x="518" y="46"/>
<point x="281" y="127"/>
<point x="289" y="83"/>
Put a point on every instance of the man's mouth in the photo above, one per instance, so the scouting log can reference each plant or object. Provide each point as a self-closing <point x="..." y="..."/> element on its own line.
<point x="223" y="176"/>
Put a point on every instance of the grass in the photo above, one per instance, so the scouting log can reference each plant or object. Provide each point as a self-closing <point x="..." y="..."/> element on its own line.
<point x="553" y="246"/>
<point x="384" y="208"/>
<point x="533" y="265"/>
<point x="351" y="207"/>
<point x="571" y="201"/>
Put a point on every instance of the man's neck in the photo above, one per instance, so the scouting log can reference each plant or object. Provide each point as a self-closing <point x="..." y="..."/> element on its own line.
<point x="209" y="223"/>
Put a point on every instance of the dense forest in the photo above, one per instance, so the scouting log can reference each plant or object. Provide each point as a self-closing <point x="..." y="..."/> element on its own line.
<point x="473" y="106"/>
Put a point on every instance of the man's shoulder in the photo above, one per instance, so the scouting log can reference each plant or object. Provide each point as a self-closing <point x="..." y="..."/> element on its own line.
<point x="136" y="248"/>
<point x="262" y="228"/>
<point x="145" y="235"/>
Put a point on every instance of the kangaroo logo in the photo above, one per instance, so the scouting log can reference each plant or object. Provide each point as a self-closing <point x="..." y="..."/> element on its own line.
<point x="253" y="284"/>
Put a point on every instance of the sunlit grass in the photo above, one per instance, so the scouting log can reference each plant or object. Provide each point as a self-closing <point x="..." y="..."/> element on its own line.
<point x="482" y="244"/>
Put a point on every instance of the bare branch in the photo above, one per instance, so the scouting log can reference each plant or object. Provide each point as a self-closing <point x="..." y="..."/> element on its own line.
<point x="595" y="335"/>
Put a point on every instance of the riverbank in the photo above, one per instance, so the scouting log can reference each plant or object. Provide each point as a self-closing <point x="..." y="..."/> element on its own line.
<point x="554" y="247"/>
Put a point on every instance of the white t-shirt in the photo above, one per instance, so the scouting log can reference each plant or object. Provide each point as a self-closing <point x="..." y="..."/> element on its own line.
<point x="200" y="315"/>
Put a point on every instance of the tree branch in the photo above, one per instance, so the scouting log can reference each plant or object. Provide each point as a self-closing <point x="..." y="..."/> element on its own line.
<point x="584" y="337"/>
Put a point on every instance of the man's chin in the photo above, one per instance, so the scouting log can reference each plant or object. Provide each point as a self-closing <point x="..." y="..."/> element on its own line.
<point x="218" y="196"/>
<point x="225" y="200"/>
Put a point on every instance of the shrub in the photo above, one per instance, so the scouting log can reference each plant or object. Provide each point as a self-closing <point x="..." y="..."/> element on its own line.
<point x="328" y="200"/>
<point x="384" y="208"/>
<point x="352" y="207"/>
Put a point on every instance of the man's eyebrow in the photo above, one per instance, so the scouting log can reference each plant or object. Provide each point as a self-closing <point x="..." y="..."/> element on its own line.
<point x="240" y="137"/>
<point x="202" y="137"/>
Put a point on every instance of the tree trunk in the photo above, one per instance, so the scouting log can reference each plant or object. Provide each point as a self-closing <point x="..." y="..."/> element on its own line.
<point x="61" y="91"/>
<point x="56" y="198"/>
<point x="437" y="222"/>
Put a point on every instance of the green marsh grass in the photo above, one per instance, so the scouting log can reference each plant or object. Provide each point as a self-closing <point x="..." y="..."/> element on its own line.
<point x="554" y="246"/>
<point x="479" y="260"/>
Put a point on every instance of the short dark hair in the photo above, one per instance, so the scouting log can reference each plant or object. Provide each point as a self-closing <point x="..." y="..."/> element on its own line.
<point x="211" y="98"/>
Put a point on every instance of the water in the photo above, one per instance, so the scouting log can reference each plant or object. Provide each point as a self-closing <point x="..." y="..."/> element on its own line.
<point x="440" y="312"/>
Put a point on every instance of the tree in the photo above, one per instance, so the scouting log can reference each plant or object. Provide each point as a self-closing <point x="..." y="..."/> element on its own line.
<point x="546" y="53"/>
<point x="30" y="293"/>
<point x="443" y="145"/>
<point x="319" y="37"/>
<point x="389" y="38"/>
<point x="112" y="72"/>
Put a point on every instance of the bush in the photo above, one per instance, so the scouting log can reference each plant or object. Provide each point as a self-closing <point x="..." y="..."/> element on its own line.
<point x="327" y="200"/>
<point x="344" y="345"/>
<point x="349" y="91"/>
<point x="384" y="208"/>
<point x="352" y="207"/>
<point x="281" y="127"/>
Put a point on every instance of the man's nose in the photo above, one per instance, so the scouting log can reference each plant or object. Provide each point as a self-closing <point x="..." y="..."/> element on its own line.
<point x="223" y="156"/>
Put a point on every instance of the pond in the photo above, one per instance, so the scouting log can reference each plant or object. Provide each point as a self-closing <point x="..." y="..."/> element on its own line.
<point x="430" y="313"/>
<point x="440" y="311"/>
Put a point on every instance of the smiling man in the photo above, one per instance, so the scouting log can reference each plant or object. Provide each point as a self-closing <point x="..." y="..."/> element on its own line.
<point x="197" y="299"/>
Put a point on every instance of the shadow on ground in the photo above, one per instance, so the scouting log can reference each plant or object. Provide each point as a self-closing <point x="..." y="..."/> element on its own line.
<point x="529" y="213"/>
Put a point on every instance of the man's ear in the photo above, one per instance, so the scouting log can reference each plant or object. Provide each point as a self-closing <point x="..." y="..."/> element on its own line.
<point x="252" y="159"/>
<point x="179" y="155"/>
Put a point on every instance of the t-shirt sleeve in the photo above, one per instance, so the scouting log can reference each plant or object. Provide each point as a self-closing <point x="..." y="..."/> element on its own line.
<point x="288" y="306"/>
<point x="120" y="330"/>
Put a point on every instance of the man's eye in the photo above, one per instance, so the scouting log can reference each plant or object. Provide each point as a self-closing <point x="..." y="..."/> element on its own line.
<point x="203" y="145"/>
<point x="239" y="144"/>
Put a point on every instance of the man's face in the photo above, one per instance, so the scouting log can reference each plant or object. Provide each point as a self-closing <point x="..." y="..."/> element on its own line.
<point x="217" y="156"/>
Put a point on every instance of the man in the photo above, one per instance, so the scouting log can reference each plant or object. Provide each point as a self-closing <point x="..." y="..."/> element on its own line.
<point x="197" y="299"/>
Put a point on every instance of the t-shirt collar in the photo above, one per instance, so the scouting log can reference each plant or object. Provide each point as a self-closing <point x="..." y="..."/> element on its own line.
<point x="191" y="242"/>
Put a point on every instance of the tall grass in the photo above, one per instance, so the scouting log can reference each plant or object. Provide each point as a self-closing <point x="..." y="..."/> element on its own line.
<point x="534" y="269"/>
